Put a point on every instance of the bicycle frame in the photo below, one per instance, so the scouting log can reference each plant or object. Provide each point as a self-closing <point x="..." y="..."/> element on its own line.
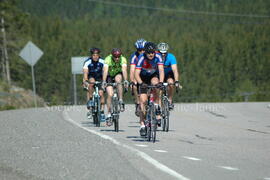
<point x="96" y="105"/>
<point x="115" y="106"/>
<point x="150" y="121"/>
<point x="165" y="112"/>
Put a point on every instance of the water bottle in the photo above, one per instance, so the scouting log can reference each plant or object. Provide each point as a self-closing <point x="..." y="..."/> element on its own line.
<point x="102" y="117"/>
<point x="152" y="99"/>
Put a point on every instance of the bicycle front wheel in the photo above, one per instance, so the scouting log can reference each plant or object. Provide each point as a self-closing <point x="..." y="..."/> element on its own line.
<point x="98" y="114"/>
<point x="153" y="124"/>
<point x="116" y="123"/>
<point x="167" y="116"/>
<point x="116" y="114"/>
<point x="163" y="121"/>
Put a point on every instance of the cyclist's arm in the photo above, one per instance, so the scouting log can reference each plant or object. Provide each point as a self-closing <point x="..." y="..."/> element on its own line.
<point x="105" y="72"/>
<point x="160" y="68"/>
<point x="124" y="67"/>
<point x="85" y="69"/>
<point x="175" y="72"/>
<point x="124" y="71"/>
<point x="132" y="72"/>
<point x="137" y="75"/>
<point x="85" y="74"/>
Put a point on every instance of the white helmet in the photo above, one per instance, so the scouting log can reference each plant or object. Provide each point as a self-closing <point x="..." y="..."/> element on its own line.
<point x="163" y="47"/>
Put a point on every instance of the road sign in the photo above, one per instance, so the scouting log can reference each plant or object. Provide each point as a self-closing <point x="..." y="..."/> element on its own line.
<point x="77" y="68"/>
<point x="77" y="64"/>
<point x="31" y="53"/>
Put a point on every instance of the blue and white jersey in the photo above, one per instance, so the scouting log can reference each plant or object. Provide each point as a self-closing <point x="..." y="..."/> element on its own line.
<point x="95" y="68"/>
<point x="168" y="62"/>
<point x="149" y="67"/>
<point x="134" y="58"/>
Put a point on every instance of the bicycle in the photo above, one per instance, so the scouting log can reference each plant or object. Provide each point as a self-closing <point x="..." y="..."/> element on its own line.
<point x="115" y="106"/>
<point x="165" y="111"/>
<point x="151" y="112"/>
<point x="95" y="104"/>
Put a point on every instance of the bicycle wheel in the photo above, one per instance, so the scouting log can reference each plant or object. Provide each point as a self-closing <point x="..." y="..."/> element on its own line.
<point x="97" y="113"/>
<point x="163" y="121"/>
<point x="116" y="114"/>
<point x="167" y="116"/>
<point x="94" y="115"/>
<point x="153" y="124"/>
<point x="148" y="124"/>
<point x="116" y="123"/>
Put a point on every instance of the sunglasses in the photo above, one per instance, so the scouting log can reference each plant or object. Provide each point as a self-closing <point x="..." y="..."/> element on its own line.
<point x="151" y="52"/>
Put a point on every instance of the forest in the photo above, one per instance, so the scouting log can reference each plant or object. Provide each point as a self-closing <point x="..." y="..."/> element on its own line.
<point x="222" y="47"/>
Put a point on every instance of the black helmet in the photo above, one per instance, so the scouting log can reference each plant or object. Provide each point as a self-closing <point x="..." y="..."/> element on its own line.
<point x="94" y="51"/>
<point x="150" y="47"/>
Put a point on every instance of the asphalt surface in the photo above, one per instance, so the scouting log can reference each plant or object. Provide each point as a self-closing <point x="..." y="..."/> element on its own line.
<point x="206" y="141"/>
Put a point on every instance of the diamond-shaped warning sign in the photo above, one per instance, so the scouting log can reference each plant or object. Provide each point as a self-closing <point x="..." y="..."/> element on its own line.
<point x="31" y="53"/>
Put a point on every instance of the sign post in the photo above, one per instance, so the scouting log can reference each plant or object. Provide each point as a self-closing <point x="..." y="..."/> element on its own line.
<point x="31" y="54"/>
<point x="76" y="68"/>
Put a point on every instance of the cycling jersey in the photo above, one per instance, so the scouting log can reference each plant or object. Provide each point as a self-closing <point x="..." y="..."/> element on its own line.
<point x="95" y="68"/>
<point x="114" y="67"/>
<point x="149" y="67"/>
<point x="168" y="62"/>
<point x="134" y="58"/>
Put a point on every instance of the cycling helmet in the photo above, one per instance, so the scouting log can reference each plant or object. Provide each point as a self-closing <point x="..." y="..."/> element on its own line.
<point x="163" y="47"/>
<point x="116" y="52"/>
<point x="94" y="51"/>
<point x="139" y="44"/>
<point x="150" y="47"/>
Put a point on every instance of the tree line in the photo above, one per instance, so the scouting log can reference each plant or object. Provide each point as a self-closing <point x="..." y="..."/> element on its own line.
<point x="220" y="57"/>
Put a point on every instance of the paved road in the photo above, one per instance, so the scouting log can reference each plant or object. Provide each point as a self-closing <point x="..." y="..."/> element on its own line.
<point x="207" y="141"/>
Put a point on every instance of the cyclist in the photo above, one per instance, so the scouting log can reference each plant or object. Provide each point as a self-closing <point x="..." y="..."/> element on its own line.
<point x="139" y="45"/>
<point x="92" y="71"/>
<point x="149" y="71"/>
<point x="170" y="70"/>
<point x="115" y="69"/>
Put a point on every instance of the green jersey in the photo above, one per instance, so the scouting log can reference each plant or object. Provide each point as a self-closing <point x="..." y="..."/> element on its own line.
<point x="115" y="67"/>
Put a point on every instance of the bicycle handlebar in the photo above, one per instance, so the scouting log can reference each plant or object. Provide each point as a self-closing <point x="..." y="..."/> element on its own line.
<point x="169" y="84"/>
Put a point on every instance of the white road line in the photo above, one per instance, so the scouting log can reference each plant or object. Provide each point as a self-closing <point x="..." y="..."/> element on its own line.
<point x="191" y="158"/>
<point x="141" y="145"/>
<point x="267" y="178"/>
<point x="161" y="151"/>
<point x="143" y="155"/>
<point x="229" y="168"/>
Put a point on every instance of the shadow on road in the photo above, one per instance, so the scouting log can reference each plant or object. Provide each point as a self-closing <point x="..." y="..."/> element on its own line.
<point x="138" y="139"/>
<point x="111" y="130"/>
<point x="134" y="126"/>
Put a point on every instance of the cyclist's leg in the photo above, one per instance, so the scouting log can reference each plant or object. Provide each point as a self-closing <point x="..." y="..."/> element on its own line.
<point x="109" y="90"/>
<point x="102" y="102"/>
<point x="142" y="91"/>
<point x="155" y="81"/>
<point x="170" y="89"/>
<point x="102" y="99"/>
<point x="135" y="91"/>
<point x="118" y="79"/>
<point x="170" y="80"/>
<point x="136" y="100"/>
<point x="143" y="101"/>
<point x="90" y="92"/>
<point x="91" y="87"/>
<point x="109" y="98"/>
